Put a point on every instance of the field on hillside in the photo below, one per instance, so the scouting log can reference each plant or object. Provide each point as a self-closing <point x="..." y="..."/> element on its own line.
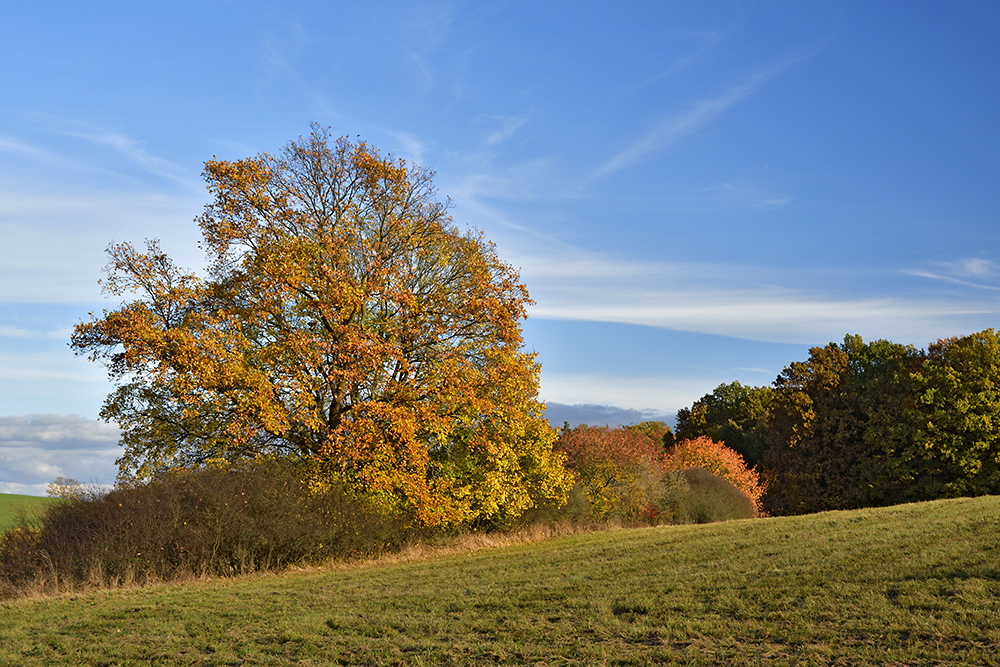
<point x="13" y="507"/>
<point x="909" y="585"/>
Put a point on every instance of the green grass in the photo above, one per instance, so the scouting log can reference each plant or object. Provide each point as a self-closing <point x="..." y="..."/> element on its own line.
<point x="14" y="507"/>
<point x="909" y="585"/>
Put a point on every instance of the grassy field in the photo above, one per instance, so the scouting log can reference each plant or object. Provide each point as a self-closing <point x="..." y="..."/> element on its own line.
<point x="13" y="507"/>
<point x="908" y="585"/>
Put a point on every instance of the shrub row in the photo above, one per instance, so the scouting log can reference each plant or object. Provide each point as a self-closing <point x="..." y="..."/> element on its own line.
<point x="266" y="515"/>
<point x="193" y="523"/>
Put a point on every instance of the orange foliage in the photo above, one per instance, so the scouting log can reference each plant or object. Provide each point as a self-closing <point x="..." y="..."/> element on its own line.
<point x="344" y="320"/>
<point x="703" y="452"/>
<point x="587" y="446"/>
<point x="616" y="467"/>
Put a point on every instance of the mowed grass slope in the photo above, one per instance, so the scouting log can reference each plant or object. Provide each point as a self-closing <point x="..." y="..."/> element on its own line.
<point x="14" y="507"/>
<point x="908" y="585"/>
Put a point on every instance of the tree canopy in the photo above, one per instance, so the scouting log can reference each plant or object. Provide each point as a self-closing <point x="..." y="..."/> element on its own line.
<point x="343" y="320"/>
<point x="957" y="415"/>
<point x="866" y="423"/>
<point x="733" y="413"/>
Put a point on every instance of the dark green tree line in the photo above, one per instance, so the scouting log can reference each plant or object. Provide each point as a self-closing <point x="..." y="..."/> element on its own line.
<point x="863" y="424"/>
<point x="733" y="413"/>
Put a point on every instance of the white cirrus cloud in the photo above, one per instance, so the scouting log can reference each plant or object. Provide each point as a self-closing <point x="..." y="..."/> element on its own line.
<point x="698" y="116"/>
<point x="672" y="128"/>
<point x="9" y="331"/>
<point x="758" y="303"/>
<point x="508" y="126"/>
<point x="974" y="272"/>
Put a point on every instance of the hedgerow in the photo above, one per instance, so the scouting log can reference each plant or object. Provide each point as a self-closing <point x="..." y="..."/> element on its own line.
<point x="626" y="475"/>
<point x="193" y="523"/>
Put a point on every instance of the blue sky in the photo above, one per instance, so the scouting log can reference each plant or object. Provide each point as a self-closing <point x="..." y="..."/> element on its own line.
<point x="695" y="193"/>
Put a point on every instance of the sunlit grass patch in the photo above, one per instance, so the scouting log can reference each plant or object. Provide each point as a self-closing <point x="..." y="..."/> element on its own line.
<point x="15" y="507"/>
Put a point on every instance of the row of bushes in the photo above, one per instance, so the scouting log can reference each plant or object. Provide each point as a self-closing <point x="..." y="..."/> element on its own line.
<point x="266" y="515"/>
<point x="193" y="523"/>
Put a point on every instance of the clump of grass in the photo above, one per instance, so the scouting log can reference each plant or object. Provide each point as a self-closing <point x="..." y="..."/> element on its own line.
<point x="190" y="524"/>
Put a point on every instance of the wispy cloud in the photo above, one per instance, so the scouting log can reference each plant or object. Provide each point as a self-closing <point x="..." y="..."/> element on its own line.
<point x="970" y="272"/>
<point x="14" y="146"/>
<point x="527" y="181"/>
<point x="672" y="128"/>
<point x="54" y="240"/>
<point x="282" y="53"/>
<point x="794" y="318"/>
<point x="134" y="151"/>
<point x="49" y="159"/>
<point x="752" y="302"/>
<point x="508" y="126"/>
<point x="975" y="267"/>
<point x="8" y="331"/>
<point x="698" y="116"/>
<point x="47" y="366"/>
<point x="709" y="40"/>
<point x="413" y="148"/>
<point x="800" y="305"/>
<point x="421" y="33"/>
<point x="479" y="188"/>
<point x="130" y="149"/>
<point x="740" y="194"/>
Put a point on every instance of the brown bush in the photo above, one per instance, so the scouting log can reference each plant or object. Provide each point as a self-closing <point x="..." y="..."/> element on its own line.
<point x="193" y="523"/>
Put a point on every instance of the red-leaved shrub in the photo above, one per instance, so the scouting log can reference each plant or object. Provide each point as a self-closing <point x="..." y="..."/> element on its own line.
<point x="619" y="469"/>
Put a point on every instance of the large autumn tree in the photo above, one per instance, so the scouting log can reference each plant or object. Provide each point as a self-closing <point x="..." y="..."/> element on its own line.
<point x="344" y="321"/>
